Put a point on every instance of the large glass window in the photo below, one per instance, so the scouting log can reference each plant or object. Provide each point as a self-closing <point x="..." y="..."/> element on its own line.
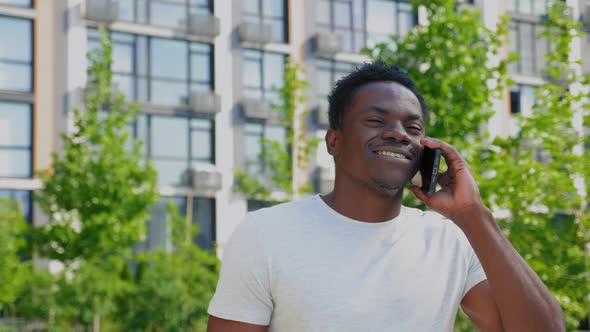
<point x="526" y="39"/>
<point x="531" y="7"/>
<point x="16" y="54"/>
<point x="255" y="135"/>
<point x="175" y="144"/>
<point x="263" y="74"/>
<point x="158" y="70"/>
<point x="171" y="13"/>
<point x="23" y="199"/>
<point x="361" y="23"/>
<point x="328" y="73"/>
<point x="522" y="99"/>
<point x="19" y="3"/>
<point x="15" y="139"/>
<point x="203" y="217"/>
<point x="272" y="12"/>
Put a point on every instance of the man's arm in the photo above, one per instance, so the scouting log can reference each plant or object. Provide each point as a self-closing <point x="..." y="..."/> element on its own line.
<point x="523" y="302"/>
<point x="216" y="324"/>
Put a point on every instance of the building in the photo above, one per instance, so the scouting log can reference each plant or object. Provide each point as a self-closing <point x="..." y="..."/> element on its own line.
<point x="203" y="72"/>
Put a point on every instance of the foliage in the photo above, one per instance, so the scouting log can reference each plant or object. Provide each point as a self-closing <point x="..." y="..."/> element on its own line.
<point x="171" y="289"/>
<point x="278" y="156"/>
<point x="535" y="174"/>
<point x="454" y="62"/>
<point x="13" y="271"/>
<point x="97" y="194"/>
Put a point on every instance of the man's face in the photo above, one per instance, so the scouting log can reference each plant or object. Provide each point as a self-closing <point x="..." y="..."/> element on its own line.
<point x="378" y="144"/>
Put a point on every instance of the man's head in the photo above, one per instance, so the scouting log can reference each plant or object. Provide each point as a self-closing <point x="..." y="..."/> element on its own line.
<point x="341" y="96"/>
<point x="377" y="118"/>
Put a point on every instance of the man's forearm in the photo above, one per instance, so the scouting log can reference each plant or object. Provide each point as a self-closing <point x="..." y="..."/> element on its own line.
<point x="524" y="302"/>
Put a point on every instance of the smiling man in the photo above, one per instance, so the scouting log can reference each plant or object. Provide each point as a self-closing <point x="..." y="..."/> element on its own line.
<point x="355" y="259"/>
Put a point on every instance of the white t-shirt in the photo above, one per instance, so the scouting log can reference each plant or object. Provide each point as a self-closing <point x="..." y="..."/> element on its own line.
<point x="301" y="266"/>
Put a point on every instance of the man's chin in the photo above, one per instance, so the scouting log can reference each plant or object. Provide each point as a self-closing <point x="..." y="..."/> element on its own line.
<point x="386" y="188"/>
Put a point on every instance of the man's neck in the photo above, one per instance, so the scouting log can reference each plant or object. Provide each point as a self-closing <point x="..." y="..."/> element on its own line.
<point x="364" y="204"/>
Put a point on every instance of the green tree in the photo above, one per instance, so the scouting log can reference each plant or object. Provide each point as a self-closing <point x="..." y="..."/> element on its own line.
<point x="451" y="60"/>
<point x="171" y="289"/>
<point x="290" y="159"/>
<point x="535" y="174"/>
<point x="13" y="271"/>
<point x="97" y="194"/>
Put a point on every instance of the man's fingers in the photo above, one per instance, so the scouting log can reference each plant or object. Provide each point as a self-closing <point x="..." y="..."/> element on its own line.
<point x="420" y="194"/>
<point x="449" y="152"/>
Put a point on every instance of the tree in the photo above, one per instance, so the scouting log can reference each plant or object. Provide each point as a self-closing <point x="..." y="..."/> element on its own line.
<point x="539" y="172"/>
<point x="180" y="303"/>
<point x="454" y="62"/>
<point x="284" y="161"/>
<point x="97" y="194"/>
<point x="13" y="271"/>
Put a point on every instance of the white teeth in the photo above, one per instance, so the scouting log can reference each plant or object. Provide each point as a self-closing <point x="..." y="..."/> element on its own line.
<point x="391" y="154"/>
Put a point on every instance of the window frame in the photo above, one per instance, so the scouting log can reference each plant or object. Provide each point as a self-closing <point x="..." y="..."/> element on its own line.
<point x="261" y="17"/>
<point x="144" y="44"/>
<point x="28" y="148"/>
<point x="356" y="30"/>
<point x="18" y="62"/>
<point x="147" y="8"/>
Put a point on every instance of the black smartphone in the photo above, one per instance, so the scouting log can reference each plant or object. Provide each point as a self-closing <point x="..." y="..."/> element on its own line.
<point x="429" y="169"/>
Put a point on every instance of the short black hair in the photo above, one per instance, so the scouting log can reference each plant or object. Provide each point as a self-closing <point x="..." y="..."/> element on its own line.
<point x="341" y="96"/>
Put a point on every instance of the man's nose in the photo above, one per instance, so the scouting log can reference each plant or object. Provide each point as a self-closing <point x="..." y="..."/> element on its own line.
<point x="396" y="132"/>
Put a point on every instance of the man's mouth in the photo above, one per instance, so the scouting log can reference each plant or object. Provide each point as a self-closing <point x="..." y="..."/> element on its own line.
<point x="392" y="154"/>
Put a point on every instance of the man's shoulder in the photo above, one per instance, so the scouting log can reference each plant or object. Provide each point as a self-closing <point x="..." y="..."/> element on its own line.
<point x="284" y="212"/>
<point x="431" y="221"/>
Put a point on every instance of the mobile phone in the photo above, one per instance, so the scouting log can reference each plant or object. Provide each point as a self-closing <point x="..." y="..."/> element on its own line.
<point x="429" y="169"/>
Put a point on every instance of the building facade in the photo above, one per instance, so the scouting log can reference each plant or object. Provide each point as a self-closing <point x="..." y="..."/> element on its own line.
<point x="205" y="73"/>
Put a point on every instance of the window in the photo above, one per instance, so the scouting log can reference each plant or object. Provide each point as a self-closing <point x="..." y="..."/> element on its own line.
<point x="203" y="217"/>
<point x="385" y="18"/>
<point x="158" y="70"/>
<point x="256" y="134"/>
<point x="530" y="7"/>
<point x="15" y="140"/>
<point x="18" y="3"/>
<point x="522" y="99"/>
<point x="361" y="23"/>
<point x="16" y="54"/>
<point x="328" y="73"/>
<point x="169" y="13"/>
<point x="526" y="39"/>
<point x="271" y="12"/>
<point x="263" y="74"/>
<point x="175" y="144"/>
<point x="23" y="199"/>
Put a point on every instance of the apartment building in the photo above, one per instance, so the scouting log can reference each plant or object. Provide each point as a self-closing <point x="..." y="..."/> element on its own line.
<point x="204" y="73"/>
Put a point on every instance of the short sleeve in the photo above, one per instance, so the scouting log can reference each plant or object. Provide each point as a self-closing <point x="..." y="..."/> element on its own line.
<point x="475" y="272"/>
<point x="243" y="290"/>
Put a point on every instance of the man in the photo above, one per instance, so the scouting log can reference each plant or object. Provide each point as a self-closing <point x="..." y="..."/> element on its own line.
<point x="356" y="259"/>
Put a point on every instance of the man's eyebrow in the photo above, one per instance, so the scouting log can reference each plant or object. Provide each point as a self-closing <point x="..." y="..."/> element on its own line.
<point x="409" y="117"/>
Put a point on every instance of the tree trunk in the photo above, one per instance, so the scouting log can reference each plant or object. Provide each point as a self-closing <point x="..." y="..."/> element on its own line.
<point x="96" y="323"/>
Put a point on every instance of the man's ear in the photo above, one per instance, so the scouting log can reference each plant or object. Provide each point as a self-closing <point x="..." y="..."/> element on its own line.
<point x="333" y="141"/>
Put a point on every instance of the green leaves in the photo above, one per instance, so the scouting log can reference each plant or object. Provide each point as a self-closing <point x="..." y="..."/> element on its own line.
<point x="97" y="194"/>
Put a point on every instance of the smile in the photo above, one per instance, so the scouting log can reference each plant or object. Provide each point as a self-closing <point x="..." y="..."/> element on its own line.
<point x="392" y="154"/>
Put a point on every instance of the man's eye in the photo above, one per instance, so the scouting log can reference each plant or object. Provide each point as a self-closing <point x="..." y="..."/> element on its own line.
<point x="375" y="121"/>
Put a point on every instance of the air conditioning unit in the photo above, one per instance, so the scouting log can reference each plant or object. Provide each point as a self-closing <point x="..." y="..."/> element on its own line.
<point x="322" y="116"/>
<point x="257" y="109"/>
<point x="327" y="44"/>
<point x="324" y="179"/>
<point x="202" y="179"/>
<point x="258" y="33"/>
<point x="204" y="25"/>
<point x="105" y="11"/>
<point x="205" y="102"/>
